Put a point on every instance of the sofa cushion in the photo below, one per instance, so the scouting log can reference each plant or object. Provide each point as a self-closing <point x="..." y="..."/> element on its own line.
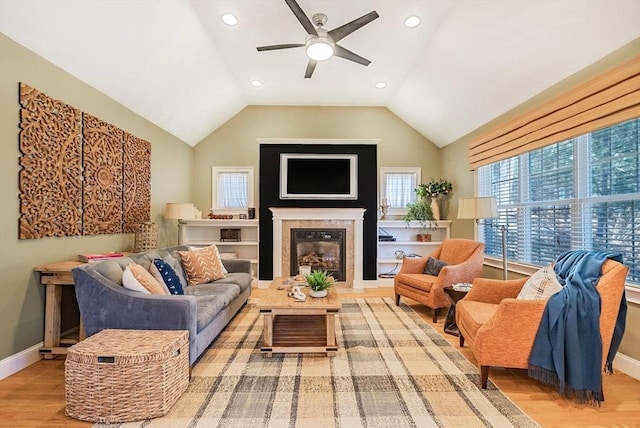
<point x="241" y="279"/>
<point x="130" y="282"/>
<point x="421" y="281"/>
<point x="434" y="266"/>
<point x="541" y="285"/>
<point x="202" y="265"/>
<point x="211" y="299"/>
<point x="475" y="314"/>
<point x="155" y="273"/>
<point x="218" y="256"/>
<point x="168" y="276"/>
<point x="145" y="279"/>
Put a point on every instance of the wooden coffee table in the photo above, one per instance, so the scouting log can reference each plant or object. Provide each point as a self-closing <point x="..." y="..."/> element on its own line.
<point x="292" y="326"/>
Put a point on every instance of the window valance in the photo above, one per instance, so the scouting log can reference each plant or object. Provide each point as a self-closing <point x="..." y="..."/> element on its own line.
<point x="610" y="98"/>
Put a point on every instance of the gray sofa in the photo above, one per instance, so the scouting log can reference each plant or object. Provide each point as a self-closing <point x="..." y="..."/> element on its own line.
<point x="204" y="310"/>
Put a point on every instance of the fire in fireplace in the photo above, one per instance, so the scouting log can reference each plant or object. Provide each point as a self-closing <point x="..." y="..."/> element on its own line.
<point x="319" y="248"/>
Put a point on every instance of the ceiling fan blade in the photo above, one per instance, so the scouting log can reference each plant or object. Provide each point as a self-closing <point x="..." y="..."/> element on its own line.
<point x="310" y="67"/>
<point x="299" y="13"/>
<point x="347" y="54"/>
<point x="274" y="47"/>
<point x="341" y="32"/>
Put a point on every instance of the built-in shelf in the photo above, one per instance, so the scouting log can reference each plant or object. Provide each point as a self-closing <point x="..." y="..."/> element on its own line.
<point x="406" y="241"/>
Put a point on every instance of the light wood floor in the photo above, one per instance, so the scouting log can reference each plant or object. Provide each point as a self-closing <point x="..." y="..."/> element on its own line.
<point x="34" y="397"/>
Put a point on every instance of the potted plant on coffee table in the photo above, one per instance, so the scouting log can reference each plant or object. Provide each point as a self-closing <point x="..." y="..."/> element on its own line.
<point x="421" y="211"/>
<point x="319" y="282"/>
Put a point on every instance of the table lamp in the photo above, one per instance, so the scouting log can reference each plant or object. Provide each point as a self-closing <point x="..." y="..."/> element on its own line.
<point x="179" y="211"/>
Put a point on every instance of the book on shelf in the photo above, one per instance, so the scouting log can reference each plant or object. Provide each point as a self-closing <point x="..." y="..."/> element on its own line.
<point x="87" y="258"/>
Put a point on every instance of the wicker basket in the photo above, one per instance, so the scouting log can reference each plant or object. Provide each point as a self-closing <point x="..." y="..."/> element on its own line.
<point x="126" y="375"/>
<point x="146" y="237"/>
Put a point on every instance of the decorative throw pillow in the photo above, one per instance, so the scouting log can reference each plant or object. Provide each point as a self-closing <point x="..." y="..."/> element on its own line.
<point x="131" y="283"/>
<point x="434" y="266"/>
<point x="146" y="279"/>
<point x="541" y="285"/>
<point x="155" y="273"/>
<point x="224" y="269"/>
<point x="167" y="275"/>
<point x="201" y="265"/>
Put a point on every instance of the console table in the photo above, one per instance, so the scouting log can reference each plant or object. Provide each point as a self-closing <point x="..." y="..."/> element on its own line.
<point x="54" y="276"/>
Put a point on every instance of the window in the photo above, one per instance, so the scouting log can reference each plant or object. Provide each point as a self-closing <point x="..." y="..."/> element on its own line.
<point x="397" y="186"/>
<point x="582" y="193"/>
<point x="231" y="189"/>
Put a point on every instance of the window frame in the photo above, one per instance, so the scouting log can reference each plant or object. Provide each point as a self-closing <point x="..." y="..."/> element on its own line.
<point x="384" y="170"/>
<point x="216" y="171"/>
<point x="580" y="202"/>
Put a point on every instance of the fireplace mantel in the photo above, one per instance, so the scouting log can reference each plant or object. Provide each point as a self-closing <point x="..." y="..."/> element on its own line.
<point x="355" y="215"/>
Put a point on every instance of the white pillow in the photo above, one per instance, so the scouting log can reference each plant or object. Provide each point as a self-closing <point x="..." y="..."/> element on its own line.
<point x="131" y="283"/>
<point x="217" y="253"/>
<point x="541" y="285"/>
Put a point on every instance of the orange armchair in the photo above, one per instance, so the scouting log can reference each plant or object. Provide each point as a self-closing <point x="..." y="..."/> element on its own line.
<point x="501" y="329"/>
<point x="464" y="260"/>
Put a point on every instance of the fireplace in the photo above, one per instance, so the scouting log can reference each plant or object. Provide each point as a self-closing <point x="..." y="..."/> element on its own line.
<point x="349" y="219"/>
<point x="320" y="249"/>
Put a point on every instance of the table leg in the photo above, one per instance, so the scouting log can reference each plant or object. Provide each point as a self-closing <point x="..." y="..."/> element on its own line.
<point x="267" y="333"/>
<point x="53" y="304"/>
<point x="331" y="333"/>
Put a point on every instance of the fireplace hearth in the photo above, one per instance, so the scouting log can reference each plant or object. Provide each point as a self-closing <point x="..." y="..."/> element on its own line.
<point x="320" y="249"/>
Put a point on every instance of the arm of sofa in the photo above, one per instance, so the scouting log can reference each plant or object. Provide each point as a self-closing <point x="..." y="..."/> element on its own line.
<point x="494" y="290"/>
<point x="105" y="304"/>
<point x="237" y="265"/>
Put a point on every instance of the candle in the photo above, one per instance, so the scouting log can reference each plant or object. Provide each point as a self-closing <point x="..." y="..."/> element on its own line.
<point x="384" y="202"/>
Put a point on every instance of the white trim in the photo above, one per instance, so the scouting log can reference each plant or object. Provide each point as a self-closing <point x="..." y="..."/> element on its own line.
<point x="317" y="140"/>
<point x="627" y="365"/>
<point x="19" y="361"/>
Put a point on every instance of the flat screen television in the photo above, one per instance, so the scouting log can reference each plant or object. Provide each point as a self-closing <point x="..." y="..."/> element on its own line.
<point x="318" y="176"/>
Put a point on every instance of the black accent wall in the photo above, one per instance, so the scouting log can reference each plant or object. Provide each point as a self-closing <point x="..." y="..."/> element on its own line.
<point x="269" y="193"/>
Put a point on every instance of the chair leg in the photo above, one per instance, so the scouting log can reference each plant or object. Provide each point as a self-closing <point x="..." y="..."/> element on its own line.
<point x="484" y="376"/>
<point x="461" y="339"/>
<point x="397" y="300"/>
<point x="434" y="315"/>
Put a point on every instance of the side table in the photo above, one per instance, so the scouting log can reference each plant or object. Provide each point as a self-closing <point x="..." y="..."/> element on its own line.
<point x="455" y="295"/>
<point x="54" y="276"/>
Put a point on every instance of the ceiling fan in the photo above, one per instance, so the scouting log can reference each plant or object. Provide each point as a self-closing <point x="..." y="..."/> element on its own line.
<point x="320" y="44"/>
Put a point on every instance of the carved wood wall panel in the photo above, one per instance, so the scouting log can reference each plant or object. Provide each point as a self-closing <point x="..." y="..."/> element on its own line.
<point x="50" y="179"/>
<point x="137" y="182"/>
<point x="102" y="191"/>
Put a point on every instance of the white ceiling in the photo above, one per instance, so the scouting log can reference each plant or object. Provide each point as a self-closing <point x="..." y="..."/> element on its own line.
<point x="175" y="63"/>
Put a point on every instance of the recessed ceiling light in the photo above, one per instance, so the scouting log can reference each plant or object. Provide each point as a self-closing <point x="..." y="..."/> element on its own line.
<point x="381" y="85"/>
<point x="412" y="21"/>
<point x="256" y="83"/>
<point x="229" y="19"/>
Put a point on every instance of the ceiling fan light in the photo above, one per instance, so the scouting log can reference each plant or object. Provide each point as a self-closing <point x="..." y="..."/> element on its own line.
<point x="319" y="51"/>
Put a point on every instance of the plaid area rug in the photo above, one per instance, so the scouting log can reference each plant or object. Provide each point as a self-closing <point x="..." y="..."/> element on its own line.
<point x="392" y="370"/>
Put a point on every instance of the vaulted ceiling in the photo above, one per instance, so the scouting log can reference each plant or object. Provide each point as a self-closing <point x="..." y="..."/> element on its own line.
<point x="179" y="66"/>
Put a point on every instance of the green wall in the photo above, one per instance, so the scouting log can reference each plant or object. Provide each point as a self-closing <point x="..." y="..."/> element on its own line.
<point x="22" y="297"/>
<point x="234" y="143"/>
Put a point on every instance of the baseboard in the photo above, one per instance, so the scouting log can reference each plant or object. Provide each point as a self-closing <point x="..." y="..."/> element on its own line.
<point x="19" y="361"/>
<point x="627" y="365"/>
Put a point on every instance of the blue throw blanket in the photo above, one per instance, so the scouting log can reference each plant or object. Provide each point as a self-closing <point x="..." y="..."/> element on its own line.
<point x="567" y="351"/>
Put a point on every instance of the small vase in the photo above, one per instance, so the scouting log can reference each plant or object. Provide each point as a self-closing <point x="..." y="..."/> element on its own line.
<point x="318" y="293"/>
<point x="435" y="209"/>
<point x="424" y="237"/>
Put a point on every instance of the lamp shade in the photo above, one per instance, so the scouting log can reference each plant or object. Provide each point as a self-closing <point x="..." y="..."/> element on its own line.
<point x="475" y="208"/>
<point x="180" y="211"/>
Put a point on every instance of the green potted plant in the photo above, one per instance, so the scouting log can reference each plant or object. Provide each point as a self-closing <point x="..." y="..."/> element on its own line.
<point x="437" y="193"/>
<point x="421" y="211"/>
<point x="319" y="282"/>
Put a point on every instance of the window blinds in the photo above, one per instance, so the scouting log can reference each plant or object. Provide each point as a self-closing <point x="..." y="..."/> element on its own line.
<point x="610" y="98"/>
